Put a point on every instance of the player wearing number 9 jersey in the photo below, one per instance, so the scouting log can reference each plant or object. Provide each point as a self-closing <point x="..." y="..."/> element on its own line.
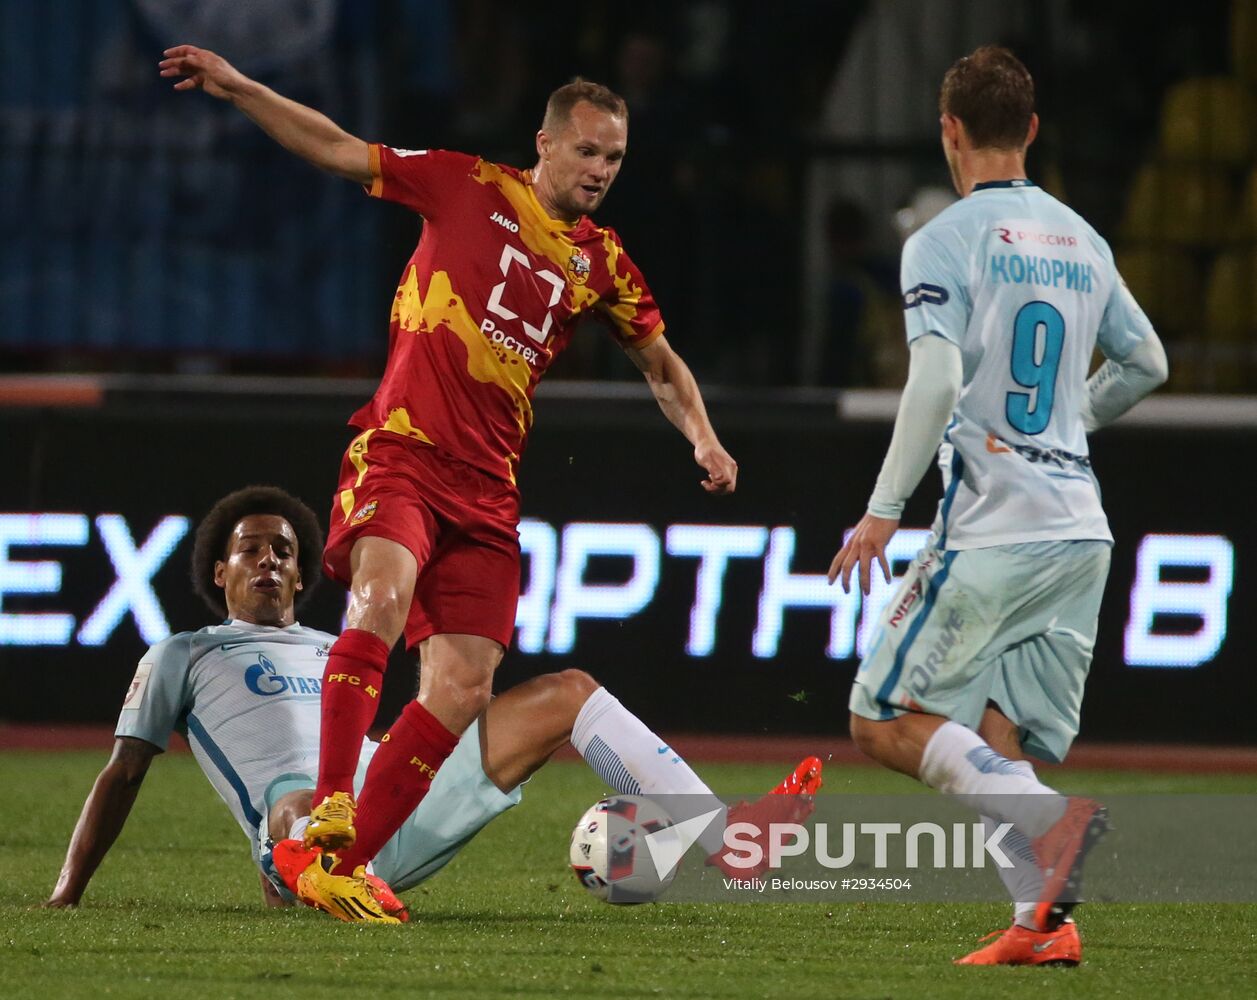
<point x="423" y="525"/>
<point x="981" y="656"/>
<point x="1024" y="289"/>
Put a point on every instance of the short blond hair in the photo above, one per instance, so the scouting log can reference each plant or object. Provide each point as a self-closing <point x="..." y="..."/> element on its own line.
<point x="563" y="99"/>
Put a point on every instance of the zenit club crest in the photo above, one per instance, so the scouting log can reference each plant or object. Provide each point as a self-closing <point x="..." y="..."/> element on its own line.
<point x="365" y="512"/>
<point x="135" y="693"/>
<point x="578" y="267"/>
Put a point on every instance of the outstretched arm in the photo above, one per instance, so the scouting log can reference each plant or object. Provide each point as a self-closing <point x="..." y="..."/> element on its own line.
<point x="677" y="394"/>
<point x="935" y="374"/>
<point x="104" y="813"/>
<point x="299" y="129"/>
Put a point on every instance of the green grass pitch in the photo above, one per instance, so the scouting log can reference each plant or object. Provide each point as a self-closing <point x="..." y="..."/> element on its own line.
<point x="176" y="912"/>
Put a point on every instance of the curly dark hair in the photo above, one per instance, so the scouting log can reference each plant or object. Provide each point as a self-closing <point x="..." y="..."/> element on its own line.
<point x="213" y="536"/>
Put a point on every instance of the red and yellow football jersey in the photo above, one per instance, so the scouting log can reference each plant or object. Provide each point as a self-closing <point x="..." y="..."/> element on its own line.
<point x="487" y="301"/>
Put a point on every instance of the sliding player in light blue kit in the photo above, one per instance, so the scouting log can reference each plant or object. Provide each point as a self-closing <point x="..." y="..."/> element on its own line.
<point x="246" y="695"/>
<point x="985" y="648"/>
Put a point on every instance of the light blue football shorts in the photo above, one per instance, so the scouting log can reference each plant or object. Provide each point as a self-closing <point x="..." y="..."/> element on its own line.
<point x="1010" y="624"/>
<point x="462" y="800"/>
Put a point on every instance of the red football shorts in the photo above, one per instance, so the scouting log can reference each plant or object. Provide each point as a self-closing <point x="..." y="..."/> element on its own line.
<point x="461" y="524"/>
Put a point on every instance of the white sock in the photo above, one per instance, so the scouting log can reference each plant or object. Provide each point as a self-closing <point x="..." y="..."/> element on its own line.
<point x="1023" y="881"/>
<point x="298" y="828"/>
<point x="957" y="761"/>
<point x="634" y="761"/>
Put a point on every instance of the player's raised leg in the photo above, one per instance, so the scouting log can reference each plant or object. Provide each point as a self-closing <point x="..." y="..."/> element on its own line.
<point x="455" y="683"/>
<point x="633" y="760"/>
<point x="524" y="726"/>
<point x="383" y="581"/>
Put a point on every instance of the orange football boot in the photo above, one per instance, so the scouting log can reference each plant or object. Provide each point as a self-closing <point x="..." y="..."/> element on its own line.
<point x="1021" y="946"/>
<point x="1060" y="853"/>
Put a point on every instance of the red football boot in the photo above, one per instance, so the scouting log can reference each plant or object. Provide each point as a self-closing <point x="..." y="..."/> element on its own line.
<point x="789" y="802"/>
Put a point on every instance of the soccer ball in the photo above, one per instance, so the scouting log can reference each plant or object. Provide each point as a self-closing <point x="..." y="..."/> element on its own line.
<point x="610" y="854"/>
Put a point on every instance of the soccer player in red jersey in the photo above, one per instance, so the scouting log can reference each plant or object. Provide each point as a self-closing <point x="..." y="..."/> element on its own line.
<point x="423" y="528"/>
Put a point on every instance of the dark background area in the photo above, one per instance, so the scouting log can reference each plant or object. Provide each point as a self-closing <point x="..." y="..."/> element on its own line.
<point x="777" y="160"/>
<point x="603" y="460"/>
<point x="144" y="230"/>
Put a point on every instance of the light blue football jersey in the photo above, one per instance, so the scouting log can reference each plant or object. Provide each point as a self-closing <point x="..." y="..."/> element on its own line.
<point x="1026" y="289"/>
<point x="247" y="698"/>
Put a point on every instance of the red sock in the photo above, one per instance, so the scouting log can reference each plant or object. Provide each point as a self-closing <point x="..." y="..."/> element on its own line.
<point x="400" y="775"/>
<point x="350" y="696"/>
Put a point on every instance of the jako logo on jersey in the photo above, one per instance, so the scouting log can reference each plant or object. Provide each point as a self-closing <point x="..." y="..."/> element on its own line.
<point x="924" y="293"/>
<point x="365" y="512"/>
<point x="409" y="152"/>
<point x="263" y="679"/>
<point x="504" y="222"/>
<point x="578" y="267"/>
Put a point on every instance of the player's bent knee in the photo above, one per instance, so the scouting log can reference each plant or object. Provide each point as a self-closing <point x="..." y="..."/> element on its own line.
<point x="576" y="686"/>
<point x="380" y="610"/>
<point x="566" y="692"/>
<point x="287" y="810"/>
<point x="476" y="697"/>
<point x="469" y="700"/>
<point x="868" y="735"/>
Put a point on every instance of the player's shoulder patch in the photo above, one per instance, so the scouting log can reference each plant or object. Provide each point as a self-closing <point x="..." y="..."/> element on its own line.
<point x="173" y="649"/>
<point x="925" y="292"/>
<point x="139" y="684"/>
<point x="364" y="513"/>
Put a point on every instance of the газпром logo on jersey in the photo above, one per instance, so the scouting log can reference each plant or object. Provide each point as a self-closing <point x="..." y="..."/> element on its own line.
<point x="262" y="678"/>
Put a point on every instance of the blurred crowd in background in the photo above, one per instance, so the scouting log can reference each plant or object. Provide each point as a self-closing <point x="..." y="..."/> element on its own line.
<point x="778" y="157"/>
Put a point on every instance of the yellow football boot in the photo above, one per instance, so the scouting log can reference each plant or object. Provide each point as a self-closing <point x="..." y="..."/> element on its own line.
<point x="332" y="823"/>
<point x="345" y="897"/>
